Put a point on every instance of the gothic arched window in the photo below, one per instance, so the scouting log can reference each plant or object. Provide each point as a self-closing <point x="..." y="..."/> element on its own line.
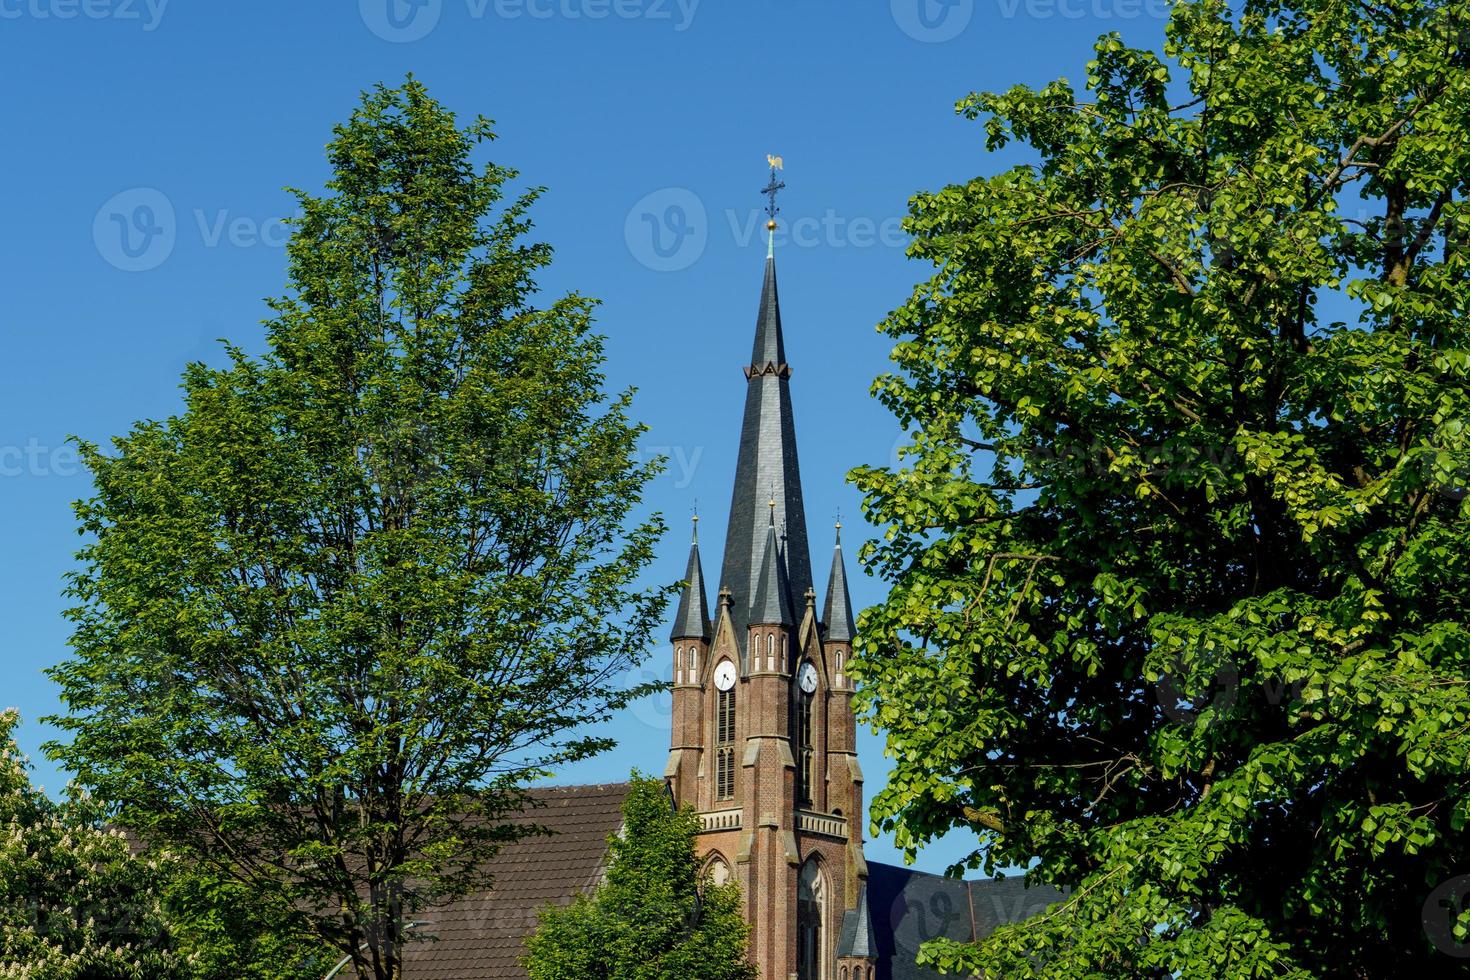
<point x="717" y="872"/>
<point x="678" y="665"/>
<point x="811" y="922"/>
<point x="725" y="746"/>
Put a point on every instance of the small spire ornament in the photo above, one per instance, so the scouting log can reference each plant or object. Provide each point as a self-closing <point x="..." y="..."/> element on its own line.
<point x="776" y="186"/>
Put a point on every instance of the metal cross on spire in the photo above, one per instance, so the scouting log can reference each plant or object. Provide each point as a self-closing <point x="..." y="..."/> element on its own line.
<point x="771" y="190"/>
<point x="775" y="186"/>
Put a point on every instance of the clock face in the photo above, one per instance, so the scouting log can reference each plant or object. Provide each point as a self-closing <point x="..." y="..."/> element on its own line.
<point x="807" y="678"/>
<point x="725" y="675"/>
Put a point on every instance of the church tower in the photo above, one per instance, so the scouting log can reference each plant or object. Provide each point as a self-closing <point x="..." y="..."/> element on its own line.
<point x="764" y="739"/>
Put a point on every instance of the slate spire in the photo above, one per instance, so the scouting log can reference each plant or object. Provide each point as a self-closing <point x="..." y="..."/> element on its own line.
<point x="838" y="612"/>
<point x="692" y="621"/>
<point x="857" y="939"/>
<point x="770" y="605"/>
<point x="766" y="468"/>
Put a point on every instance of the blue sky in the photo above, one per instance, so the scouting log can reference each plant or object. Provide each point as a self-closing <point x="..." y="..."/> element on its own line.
<point x="148" y="144"/>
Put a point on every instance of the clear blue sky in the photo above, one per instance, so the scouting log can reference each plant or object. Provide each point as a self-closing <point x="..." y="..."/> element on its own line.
<point x="187" y="119"/>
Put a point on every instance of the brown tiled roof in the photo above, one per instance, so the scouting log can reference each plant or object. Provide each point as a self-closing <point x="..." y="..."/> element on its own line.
<point x="482" y="936"/>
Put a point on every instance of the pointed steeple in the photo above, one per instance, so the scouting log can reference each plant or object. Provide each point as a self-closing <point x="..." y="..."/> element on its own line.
<point x="838" y="613"/>
<point x="692" y="621"/>
<point x="767" y="466"/>
<point x="769" y="349"/>
<point x="770" y="604"/>
<point x="857" y="939"/>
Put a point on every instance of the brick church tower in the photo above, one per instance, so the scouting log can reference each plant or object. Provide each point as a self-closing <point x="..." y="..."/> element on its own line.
<point x="764" y="738"/>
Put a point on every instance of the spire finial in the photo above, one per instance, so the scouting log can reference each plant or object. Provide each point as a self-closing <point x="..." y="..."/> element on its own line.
<point x="695" y="521"/>
<point x="773" y="507"/>
<point x="771" y="190"/>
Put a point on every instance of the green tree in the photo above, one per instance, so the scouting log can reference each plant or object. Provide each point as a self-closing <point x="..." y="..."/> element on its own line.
<point x="228" y="931"/>
<point x="75" y="904"/>
<point x="1178" y="545"/>
<point x="652" y="918"/>
<point x="333" y="617"/>
<point x="78" y="902"/>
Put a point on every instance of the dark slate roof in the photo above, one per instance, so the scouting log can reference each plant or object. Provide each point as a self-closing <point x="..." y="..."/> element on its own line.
<point x="909" y="908"/>
<point x="692" y="620"/>
<point x="857" y="937"/>
<point x="766" y="468"/>
<point x="770" y="345"/>
<point x="838" y="613"/>
<point x="771" y="604"/>
<point x="482" y="936"/>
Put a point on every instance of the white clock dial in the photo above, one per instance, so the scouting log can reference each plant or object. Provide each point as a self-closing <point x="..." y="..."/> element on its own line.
<point x="807" y="678"/>
<point x="725" y="675"/>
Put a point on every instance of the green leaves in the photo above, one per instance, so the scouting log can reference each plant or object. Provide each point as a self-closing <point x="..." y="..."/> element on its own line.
<point x="653" y="917"/>
<point x="1177" y="549"/>
<point x="75" y="904"/>
<point x="338" y="613"/>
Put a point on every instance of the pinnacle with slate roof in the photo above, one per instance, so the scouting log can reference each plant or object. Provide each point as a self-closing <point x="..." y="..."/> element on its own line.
<point x="857" y="940"/>
<point x="838" y="613"/>
<point x="692" y="622"/>
<point x="771" y="605"/>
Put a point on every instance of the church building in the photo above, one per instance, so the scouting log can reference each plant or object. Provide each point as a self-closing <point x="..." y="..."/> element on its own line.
<point x="763" y="747"/>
